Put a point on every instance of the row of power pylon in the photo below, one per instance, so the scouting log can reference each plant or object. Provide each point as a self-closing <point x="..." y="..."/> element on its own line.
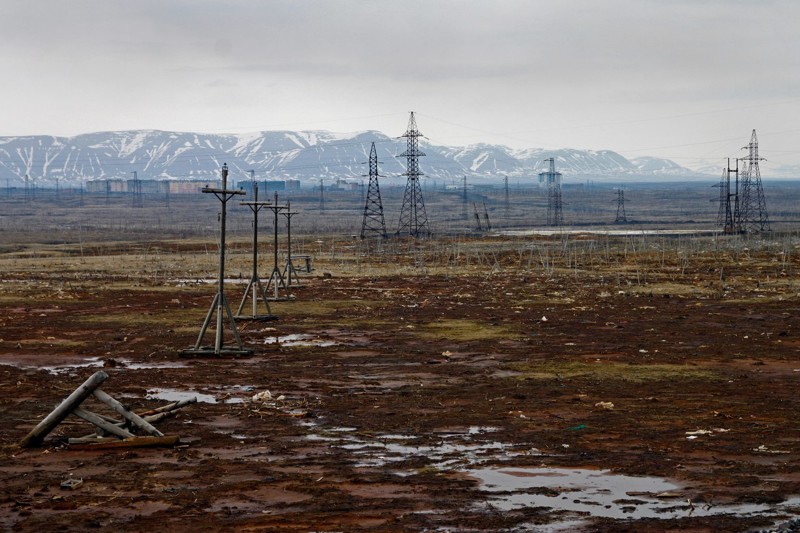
<point x="279" y="280"/>
<point x="742" y="206"/>
<point x="413" y="217"/>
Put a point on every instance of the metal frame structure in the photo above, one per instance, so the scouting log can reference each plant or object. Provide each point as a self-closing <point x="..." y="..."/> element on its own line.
<point x="289" y="271"/>
<point x="506" y="199"/>
<point x="413" y="219"/>
<point x="464" y="199"/>
<point x="374" y="221"/>
<point x="137" y="190"/>
<point x="621" y="218"/>
<point x="220" y="303"/>
<point x="753" y="209"/>
<point x="254" y="284"/>
<point x="555" y="216"/>
<point x="477" y="217"/>
<point x="724" y="190"/>
<point x="732" y="222"/>
<point x="276" y="279"/>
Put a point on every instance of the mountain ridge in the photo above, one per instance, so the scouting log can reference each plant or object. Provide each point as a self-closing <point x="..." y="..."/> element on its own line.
<point x="306" y="155"/>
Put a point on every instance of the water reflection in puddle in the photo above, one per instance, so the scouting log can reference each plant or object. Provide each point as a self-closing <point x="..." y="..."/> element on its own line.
<point x="93" y="362"/>
<point x="450" y="451"/>
<point x="98" y="362"/>
<point x="175" y="395"/>
<point x="575" y="494"/>
<point x="130" y="365"/>
<point x="602" y="494"/>
<point x="300" y="339"/>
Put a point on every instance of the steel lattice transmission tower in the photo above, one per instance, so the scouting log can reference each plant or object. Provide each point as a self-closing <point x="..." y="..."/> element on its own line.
<point x="724" y="190"/>
<point x="413" y="219"/>
<point x="374" y="221"/>
<point x="621" y="218"/>
<point x="729" y="214"/>
<point x="553" y="180"/>
<point x="753" y="207"/>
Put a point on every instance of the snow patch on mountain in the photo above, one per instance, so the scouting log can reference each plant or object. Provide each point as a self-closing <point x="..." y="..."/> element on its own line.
<point x="307" y="155"/>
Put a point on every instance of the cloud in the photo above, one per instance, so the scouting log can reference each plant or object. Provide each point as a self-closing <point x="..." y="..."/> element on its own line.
<point x="563" y="72"/>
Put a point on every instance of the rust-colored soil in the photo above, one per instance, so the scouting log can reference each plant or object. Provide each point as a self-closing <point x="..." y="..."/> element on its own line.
<point x="391" y="394"/>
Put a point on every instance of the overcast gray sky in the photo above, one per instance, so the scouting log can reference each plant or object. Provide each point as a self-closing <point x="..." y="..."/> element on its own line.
<point x="683" y="79"/>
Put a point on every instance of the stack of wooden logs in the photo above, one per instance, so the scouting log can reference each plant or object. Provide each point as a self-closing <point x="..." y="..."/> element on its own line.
<point x="120" y="431"/>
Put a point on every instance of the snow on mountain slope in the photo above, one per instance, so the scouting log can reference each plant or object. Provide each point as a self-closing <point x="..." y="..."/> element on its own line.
<point x="306" y="155"/>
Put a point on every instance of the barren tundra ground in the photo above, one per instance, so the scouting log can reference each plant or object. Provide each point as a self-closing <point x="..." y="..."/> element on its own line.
<point x="475" y="383"/>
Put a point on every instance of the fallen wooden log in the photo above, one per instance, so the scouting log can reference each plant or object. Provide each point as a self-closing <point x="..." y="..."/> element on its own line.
<point x="106" y="425"/>
<point x="99" y="422"/>
<point x="130" y="442"/>
<point x="168" y="408"/>
<point x="126" y="413"/>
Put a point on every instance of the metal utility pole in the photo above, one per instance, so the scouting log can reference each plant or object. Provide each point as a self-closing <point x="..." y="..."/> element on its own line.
<point x="220" y="303"/>
<point x="27" y="190"/>
<point x="754" y="207"/>
<point x="137" y="190"/>
<point x="413" y="219"/>
<point x="507" y="204"/>
<point x="276" y="279"/>
<point x="486" y="217"/>
<point x="621" y="217"/>
<point x="733" y="220"/>
<point x="255" y="281"/>
<point x="321" y="196"/>
<point x="374" y="221"/>
<point x="464" y="199"/>
<point x="289" y="271"/>
<point x="724" y="191"/>
<point x="477" y="217"/>
<point x="553" y="180"/>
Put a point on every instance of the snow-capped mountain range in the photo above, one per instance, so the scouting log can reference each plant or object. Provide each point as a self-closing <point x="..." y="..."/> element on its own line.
<point x="305" y="155"/>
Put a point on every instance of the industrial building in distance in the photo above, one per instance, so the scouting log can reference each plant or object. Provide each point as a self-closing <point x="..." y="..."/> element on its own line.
<point x="119" y="185"/>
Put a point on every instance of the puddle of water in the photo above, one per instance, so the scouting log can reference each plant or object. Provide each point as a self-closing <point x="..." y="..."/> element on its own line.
<point x="576" y="494"/>
<point x="601" y="493"/>
<point x="209" y="281"/>
<point x="145" y="366"/>
<point x="477" y="430"/>
<point x="92" y="362"/>
<point x="97" y="362"/>
<point x="174" y="395"/>
<point x="299" y="339"/>
<point x="390" y="449"/>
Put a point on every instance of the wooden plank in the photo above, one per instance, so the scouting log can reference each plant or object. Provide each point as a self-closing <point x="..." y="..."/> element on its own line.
<point x="126" y="413"/>
<point x="132" y="442"/>
<point x="99" y="422"/>
<point x="145" y="414"/>
<point x="90" y="439"/>
<point x="167" y="408"/>
<point x="43" y="428"/>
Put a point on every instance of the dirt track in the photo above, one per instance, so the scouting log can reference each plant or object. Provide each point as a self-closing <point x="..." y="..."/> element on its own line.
<point x="427" y="402"/>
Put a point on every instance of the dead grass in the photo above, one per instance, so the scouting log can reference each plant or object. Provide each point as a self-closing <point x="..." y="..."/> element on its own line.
<point x="462" y="331"/>
<point x="605" y="370"/>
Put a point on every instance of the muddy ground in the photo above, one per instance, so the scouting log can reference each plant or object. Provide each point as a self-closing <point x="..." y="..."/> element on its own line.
<point x="645" y="392"/>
